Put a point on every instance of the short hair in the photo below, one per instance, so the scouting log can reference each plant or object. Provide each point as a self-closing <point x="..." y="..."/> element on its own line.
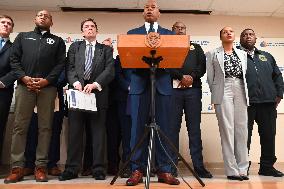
<point x="86" y="20"/>
<point x="9" y="17"/>
<point x="247" y="30"/>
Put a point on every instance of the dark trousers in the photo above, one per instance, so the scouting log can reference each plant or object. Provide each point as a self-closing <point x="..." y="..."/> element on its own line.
<point x="264" y="114"/>
<point x="189" y="101"/>
<point x="140" y="115"/>
<point x="118" y="131"/>
<point x="6" y="96"/>
<point x="77" y="122"/>
<point x="88" y="152"/>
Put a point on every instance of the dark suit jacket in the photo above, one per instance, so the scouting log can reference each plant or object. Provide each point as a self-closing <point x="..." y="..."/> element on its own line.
<point x="6" y="76"/>
<point x="102" y="68"/>
<point x="122" y="81"/>
<point x="140" y="79"/>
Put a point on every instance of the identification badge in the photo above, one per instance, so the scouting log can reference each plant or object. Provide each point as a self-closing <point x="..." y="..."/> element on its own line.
<point x="262" y="57"/>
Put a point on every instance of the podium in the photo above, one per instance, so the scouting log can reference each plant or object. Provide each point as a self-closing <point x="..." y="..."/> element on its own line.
<point x="153" y="51"/>
<point x="173" y="49"/>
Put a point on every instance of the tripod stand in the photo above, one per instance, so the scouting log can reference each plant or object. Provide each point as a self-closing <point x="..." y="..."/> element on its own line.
<point x="153" y="128"/>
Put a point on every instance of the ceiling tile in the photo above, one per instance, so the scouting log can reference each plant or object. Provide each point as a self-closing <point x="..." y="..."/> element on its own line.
<point x="102" y="4"/>
<point x="246" y="5"/>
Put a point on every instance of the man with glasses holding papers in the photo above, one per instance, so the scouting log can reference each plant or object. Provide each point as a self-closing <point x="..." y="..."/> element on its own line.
<point x="90" y="69"/>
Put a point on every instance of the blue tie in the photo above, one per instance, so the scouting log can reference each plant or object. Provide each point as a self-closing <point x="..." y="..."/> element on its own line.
<point x="88" y="63"/>
<point x="151" y="29"/>
<point x="1" y="43"/>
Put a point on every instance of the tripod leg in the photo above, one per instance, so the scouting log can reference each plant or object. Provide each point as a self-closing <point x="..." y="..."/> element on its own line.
<point x="150" y="147"/>
<point x="141" y="140"/>
<point x="180" y="156"/>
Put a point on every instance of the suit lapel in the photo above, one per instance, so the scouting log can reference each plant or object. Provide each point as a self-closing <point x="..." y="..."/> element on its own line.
<point x="82" y="50"/>
<point x="159" y="30"/>
<point x="97" y="56"/>
<point x="220" y="57"/>
<point x="6" y="46"/>
<point x="143" y="30"/>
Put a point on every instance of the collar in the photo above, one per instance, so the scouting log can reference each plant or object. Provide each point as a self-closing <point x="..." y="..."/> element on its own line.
<point x="92" y="43"/>
<point x="155" y="26"/>
<point x="39" y="31"/>
<point x="5" y="39"/>
<point x="255" y="50"/>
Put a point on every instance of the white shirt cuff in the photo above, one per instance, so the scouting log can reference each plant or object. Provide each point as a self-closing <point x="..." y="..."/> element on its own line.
<point x="76" y="83"/>
<point x="99" y="86"/>
<point x="2" y="85"/>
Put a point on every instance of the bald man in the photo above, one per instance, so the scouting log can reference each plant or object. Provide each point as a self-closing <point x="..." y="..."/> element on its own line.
<point x="187" y="97"/>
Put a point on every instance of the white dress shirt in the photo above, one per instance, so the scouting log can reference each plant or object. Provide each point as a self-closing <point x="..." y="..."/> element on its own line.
<point x="155" y="26"/>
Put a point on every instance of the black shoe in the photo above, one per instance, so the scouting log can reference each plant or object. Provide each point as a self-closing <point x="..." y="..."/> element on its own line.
<point x="235" y="177"/>
<point x="126" y="173"/>
<point x="67" y="175"/>
<point x="270" y="171"/>
<point x="202" y="172"/>
<point x="99" y="175"/>
<point x="248" y="168"/>
<point x="244" y="177"/>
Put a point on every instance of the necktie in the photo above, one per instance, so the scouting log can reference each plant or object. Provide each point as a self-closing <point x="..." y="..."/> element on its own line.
<point x="1" y="43"/>
<point x="151" y="29"/>
<point x="88" y="62"/>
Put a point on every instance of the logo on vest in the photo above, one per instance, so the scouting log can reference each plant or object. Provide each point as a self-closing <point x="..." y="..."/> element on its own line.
<point x="262" y="58"/>
<point x="50" y="41"/>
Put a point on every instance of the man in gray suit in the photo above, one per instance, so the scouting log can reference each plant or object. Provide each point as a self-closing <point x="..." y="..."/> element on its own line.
<point x="90" y="69"/>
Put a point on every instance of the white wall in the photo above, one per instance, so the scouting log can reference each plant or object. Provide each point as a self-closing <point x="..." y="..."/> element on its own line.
<point x="197" y="25"/>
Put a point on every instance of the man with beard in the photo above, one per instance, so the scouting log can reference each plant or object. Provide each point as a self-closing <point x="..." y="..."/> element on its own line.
<point x="265" y="89"/>
<point x="187" y="97"/>
<point x="37" y="59"/>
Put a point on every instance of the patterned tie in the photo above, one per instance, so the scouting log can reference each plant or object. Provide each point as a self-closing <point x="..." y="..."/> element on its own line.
<point x="88" y="62"/>
<point x="151" y="29"/>
<point x="1" y="43"/>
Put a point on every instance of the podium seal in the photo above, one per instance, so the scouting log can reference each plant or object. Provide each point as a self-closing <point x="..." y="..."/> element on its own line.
<point x="153" y="40"/>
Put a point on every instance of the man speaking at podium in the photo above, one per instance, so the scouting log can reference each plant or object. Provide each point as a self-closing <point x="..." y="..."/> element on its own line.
<point x="140" y="94"/>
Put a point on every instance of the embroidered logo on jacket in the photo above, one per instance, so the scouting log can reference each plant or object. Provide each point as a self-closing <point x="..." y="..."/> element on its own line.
<point x="50" y="41"/>
<point x="262" y="57"/>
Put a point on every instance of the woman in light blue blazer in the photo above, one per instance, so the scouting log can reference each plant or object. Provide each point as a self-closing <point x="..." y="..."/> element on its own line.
<point x="226" y="67"/>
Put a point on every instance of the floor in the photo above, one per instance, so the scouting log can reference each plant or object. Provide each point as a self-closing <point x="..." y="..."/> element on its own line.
<point x="218" y="182"/>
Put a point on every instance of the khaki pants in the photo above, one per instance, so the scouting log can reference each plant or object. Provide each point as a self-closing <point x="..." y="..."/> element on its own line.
<point x="24" y="107"/>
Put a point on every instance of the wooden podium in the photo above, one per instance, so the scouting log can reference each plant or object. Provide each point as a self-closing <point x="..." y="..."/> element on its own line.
<point x="173" y="49"/>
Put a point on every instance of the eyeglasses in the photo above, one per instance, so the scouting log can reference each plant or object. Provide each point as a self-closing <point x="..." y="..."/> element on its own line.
<point x="44" y="16"/>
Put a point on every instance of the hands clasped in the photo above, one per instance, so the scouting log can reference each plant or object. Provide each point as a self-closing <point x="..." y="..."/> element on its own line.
<point x="185" y="82"/>
<point x="34" y="84"/>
